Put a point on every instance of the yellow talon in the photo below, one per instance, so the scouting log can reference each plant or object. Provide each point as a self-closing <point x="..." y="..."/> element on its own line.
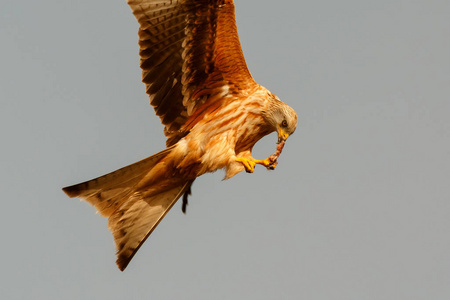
<point x="267" y="163"/>
<point x="249" y="165"/>
<point x="272" y="166"/>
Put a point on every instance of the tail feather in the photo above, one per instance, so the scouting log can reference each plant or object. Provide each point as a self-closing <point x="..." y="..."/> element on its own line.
<point x="134" y="204"/>
<point x="108" y="192"/>
<point x="134" y="221"/>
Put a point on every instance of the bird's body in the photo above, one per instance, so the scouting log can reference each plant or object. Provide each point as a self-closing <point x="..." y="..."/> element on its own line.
<point x="212" y="109"/>
<point x="237" y="127"/>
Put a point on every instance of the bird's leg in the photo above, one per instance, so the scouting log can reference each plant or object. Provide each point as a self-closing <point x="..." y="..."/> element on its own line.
<point x="185" y="199"/>
<point x="249" y="164"/>
<point x="269" y="163"/>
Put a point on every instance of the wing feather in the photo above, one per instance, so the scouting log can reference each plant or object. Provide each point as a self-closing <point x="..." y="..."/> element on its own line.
<point x="190" y="53"/>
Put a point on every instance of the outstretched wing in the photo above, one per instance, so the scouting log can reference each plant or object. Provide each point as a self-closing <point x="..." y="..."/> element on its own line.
<point x="191" y="58"/>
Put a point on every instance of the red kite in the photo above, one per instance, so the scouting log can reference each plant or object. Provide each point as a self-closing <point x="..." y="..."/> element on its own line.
<point x="212" y="109"/>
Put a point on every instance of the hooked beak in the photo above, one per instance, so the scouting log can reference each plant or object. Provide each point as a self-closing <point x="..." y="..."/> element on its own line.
<point x="282" y="135"/>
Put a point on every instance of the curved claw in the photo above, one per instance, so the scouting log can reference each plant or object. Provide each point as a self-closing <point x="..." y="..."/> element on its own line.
<point x="272" y="166"/>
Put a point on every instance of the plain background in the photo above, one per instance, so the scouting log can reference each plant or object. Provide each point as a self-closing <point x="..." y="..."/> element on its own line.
<point x="358" y="207"/>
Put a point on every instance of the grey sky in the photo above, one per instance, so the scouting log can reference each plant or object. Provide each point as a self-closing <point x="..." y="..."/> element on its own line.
<point x="358" y="207"/>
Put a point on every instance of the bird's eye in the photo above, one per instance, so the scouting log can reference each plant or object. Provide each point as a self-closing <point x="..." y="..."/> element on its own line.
<point x="284" y="123"/>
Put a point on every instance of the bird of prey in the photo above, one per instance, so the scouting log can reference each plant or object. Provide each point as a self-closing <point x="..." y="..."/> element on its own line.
<point x="212" y="109"/>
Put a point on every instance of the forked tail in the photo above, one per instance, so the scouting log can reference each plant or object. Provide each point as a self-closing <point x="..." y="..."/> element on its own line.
<point x="133" y="212"/>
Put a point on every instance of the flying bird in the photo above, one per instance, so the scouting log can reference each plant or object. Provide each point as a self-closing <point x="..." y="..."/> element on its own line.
<point x="212" y="110"/>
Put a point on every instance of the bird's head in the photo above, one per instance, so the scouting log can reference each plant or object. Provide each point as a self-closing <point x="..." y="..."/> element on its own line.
<point x="282" y="118"/>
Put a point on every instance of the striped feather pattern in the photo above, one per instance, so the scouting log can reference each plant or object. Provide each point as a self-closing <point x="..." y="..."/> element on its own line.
<point x="108" y="192"/>
<point x="190" y="53"/>
<point x="213" y="111"/>
<point x="134" y="221"/>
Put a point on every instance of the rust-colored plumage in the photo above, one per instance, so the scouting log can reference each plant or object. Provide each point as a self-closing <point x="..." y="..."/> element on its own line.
<point x="212" y="109"/>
